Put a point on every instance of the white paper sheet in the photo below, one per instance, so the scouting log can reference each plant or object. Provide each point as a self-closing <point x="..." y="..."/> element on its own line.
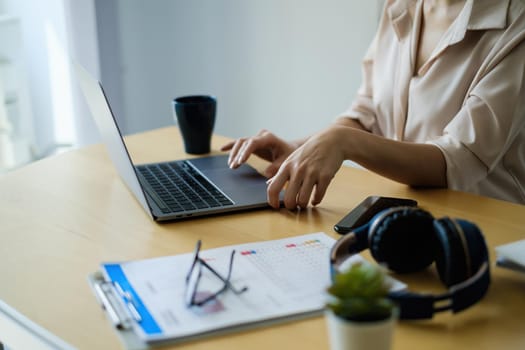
<point x="284" y="277"/>
<point x="512" y="255"/>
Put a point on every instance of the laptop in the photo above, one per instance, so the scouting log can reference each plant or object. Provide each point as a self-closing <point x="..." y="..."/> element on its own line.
<point x="179" y="189"/>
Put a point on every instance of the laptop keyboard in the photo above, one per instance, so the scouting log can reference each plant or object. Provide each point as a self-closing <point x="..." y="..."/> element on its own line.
<point x="181" y="187"/>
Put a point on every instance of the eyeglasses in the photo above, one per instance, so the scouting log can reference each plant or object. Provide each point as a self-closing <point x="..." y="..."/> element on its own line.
<point x="194" y="298"/>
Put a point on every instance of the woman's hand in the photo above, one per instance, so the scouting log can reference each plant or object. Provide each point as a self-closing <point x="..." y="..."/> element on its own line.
<point x="265" y="145"/>
<point x="308" y="170"/>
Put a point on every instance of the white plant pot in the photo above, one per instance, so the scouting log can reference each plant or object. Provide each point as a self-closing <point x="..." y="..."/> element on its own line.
<point x="352" y="335"/>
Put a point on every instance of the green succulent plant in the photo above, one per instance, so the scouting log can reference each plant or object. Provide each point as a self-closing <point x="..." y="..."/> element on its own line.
<point x="361" y="294"/>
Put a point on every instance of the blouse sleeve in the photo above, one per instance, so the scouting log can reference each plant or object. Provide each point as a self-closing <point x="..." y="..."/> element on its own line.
<point x="488" y="124"/>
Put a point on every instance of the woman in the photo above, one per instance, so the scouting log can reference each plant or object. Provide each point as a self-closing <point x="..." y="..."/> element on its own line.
<point x="442" y="104"/>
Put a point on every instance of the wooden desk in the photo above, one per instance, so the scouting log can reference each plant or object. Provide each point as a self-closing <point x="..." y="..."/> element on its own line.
<point x="62" y="216"/>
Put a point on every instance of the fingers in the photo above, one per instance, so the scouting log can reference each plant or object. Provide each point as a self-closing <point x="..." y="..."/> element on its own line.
<point x="243" y="148"/>
<point x="301" y="186"/>
<point x="295" y="177"/>
<point x="305" y="192"/>
<point x="233" y="159"/>
<point x="227" y="146"/>
<point x="239" y="153"/>
<point x="320" y="191"/>
<point x="275" y="186"/>
<point x="296" y="195"/>
<point x="248" y="147"/>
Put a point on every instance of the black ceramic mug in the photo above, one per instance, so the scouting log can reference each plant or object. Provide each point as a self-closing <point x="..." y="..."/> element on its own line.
<point x="196" y="119"/>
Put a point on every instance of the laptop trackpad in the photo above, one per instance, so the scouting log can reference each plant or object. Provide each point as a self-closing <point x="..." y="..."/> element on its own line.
<point x="233" y="182"/>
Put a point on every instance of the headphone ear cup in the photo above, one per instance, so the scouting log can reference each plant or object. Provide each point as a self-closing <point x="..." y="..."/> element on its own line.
<point x="460" y="252"/>
<point x="450" y="254"/>
<point x="477" y="247"/>
<point x="403" y="239"/>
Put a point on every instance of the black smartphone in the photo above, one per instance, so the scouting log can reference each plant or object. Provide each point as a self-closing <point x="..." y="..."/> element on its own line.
<point x="366" y="210"/>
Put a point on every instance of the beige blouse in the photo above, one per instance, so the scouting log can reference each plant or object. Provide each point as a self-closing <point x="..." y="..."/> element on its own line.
<point x="468" y="99"/>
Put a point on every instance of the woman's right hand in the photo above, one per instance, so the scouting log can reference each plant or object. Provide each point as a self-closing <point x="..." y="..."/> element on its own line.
<point x="265" y="145"/>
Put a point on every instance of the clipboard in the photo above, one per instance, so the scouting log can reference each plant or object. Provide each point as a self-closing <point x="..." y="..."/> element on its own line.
<point x="293" y="273"/>
<point x="106" y="295"/>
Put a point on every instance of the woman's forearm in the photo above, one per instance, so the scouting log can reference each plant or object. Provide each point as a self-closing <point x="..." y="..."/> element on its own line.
<point x="342" y="121"/>
<point x="409" y="163"/>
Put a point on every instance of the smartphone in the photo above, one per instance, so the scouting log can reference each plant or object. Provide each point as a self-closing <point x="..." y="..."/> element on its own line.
<point x="366" y="210"/>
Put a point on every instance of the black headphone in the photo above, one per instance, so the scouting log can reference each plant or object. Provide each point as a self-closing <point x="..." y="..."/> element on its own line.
<point x="408" y="239"/>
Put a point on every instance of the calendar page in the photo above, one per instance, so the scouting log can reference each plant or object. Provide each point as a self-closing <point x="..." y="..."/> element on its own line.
<point x="284" y="278"/>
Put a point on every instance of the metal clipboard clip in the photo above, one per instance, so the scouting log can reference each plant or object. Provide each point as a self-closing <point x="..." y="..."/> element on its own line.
<point x="119" y="305"/>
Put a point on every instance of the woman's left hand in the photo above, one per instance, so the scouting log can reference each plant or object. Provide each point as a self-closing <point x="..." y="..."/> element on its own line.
<point x="308" y="170"/>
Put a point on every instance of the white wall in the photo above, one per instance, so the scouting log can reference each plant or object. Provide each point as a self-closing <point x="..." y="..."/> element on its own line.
<point x="286" y="65"/>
